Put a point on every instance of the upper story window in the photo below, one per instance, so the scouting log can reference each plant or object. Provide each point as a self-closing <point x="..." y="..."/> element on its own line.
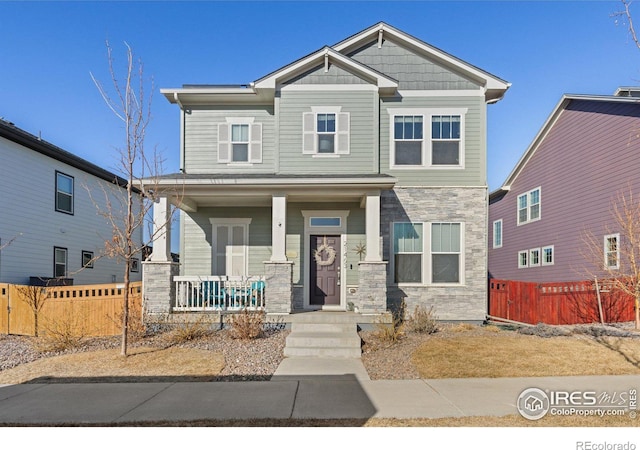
<point x="407" y="136"/>
<point x="325" y="131"/>
<point x="445" y="140"/>
<point x="497" y="233"/>
<point x="240" y="141"/>
<point x="529" y="206"/>
<point x="442" y="148"/>
<point x="64" y="193"/>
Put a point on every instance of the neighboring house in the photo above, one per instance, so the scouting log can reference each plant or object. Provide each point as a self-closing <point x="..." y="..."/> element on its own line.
<point x="50" y="226"/>
<point x="352" y="178"/>
<point x="562" y="189"/>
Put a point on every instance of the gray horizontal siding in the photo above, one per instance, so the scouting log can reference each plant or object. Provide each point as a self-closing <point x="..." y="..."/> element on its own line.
<point x="474" y="173"/>
<point x="586" y="159"/>
<point x="363" y="147"/>
<point x="201" y="139"/>
<point x="410" y="69"/>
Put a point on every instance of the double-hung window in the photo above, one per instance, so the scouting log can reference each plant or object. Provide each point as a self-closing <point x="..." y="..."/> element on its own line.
<point x="59" y="262"/>
<point x="240" y="141"/>
<point x="547" y="255"/>
<point x="427" y="253"/>
<point x="529" y="206"/>
<point x="427" y="137"/>
<point x="612" y="251"/>
<point x="408" y="139"/>
<point x="325" y="131"/>
<point x="445" y="140"/>
<point x="408" y="249"/>
<point x="445" y="252"/>
<point x="64" y="193"/>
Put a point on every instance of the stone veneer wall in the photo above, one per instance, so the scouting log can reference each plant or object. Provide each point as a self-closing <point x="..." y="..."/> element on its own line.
<point x="371" y="296"/>
<point x="466" y="302"/>
<point x="278" y="287"/>
<point x="158" y="288"/>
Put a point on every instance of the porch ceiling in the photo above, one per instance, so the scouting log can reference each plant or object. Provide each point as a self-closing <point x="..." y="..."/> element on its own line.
<point x="257" y="190"/>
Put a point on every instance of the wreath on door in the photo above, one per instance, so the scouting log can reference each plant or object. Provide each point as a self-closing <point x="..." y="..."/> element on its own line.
<point x="324" y="248"/>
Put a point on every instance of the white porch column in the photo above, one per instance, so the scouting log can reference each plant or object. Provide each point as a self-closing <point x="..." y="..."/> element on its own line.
<point x="279" y="228"/>
<point x="161" y="231"/>
<point x="372" y="214"/>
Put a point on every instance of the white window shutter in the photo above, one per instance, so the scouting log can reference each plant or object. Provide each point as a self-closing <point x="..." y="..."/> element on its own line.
<point x="342" y="134"/>
<point x="255" y="146"/>
<point x="224" y="143"/>
<point x="308" y="133"/>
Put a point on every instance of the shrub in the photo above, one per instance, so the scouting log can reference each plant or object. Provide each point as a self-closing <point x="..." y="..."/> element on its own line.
<point x="187" y="331"/>
<point x="247" y="324"/>
<point x="389" y="332"/>
<point x="60" y="335"/>
<point x="423" y="320"/>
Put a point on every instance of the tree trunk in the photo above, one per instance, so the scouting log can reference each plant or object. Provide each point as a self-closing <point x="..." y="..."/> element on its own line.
<point x="125" y="310"/>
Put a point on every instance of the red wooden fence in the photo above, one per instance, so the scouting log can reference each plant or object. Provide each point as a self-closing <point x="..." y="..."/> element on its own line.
<point x="557" y="303"/>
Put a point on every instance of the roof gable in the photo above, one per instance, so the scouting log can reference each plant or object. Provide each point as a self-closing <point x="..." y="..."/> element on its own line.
<point x="327" y="56"/>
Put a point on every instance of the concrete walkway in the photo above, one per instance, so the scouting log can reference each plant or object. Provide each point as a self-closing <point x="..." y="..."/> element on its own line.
<point x="301" y="388"/>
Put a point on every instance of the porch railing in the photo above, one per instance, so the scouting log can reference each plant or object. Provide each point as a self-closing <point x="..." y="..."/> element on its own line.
<point x="218" y="293"/>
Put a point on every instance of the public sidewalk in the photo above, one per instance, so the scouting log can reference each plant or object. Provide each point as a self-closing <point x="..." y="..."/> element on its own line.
<point x="301" y="388"/>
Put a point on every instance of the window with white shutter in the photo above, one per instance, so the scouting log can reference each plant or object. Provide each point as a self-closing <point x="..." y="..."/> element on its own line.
<point x="325" y="132"/>
<point x="240" y="141"/>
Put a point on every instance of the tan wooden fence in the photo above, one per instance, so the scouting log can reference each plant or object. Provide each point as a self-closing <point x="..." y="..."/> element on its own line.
<point x="91" y="310"/>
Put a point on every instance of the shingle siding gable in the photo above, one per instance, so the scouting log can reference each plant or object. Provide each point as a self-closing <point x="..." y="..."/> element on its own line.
<point x="410" y="69"/>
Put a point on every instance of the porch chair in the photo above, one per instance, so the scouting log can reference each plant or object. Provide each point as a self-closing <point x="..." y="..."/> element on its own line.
<point x="257" y="293"/>
<point x="213" y="294"/>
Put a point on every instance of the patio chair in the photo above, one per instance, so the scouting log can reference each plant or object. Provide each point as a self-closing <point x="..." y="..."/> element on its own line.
<point x="213" y="294"/>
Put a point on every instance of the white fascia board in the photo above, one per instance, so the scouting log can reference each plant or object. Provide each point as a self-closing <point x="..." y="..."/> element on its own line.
<point x="383" y="82"/>
<point x="374" y="182"/>
<point x="182" y="96"/>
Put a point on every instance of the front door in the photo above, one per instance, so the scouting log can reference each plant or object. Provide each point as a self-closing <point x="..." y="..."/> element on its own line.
<point x="325" y="271"/>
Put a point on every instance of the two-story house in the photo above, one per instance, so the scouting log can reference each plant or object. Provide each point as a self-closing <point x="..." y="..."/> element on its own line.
<point x="352" y="178"/>
<point x="559" y="196"/>
<point x="50" y="226"/>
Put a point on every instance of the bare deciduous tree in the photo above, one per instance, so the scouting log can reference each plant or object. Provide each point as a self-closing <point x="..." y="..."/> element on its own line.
<point x="127" y="99"/>
<point x="35" y="297"/>
<point x="619" y="262"/>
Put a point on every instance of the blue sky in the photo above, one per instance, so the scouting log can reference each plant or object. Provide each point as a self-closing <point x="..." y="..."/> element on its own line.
<point x="544" y="48"/>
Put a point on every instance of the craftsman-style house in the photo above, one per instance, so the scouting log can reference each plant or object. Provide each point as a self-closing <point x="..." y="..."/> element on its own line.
<point x="351" y="179"/>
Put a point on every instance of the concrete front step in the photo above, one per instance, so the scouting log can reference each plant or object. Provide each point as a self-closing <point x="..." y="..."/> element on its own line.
<point x="324" y="334"/>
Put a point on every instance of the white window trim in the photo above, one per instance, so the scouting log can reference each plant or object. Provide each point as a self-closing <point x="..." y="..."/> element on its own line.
<point x="65" y="262"/>
<point x="542" y="257"/>
<point x="427" y="279"/>
<point x="427" y="114"/>
<point x="530" y="261"/>
<point x="215" y="223"/>
<point x="255" y="142"/>
<point x="528" y="194"/>
<point x="606" y="251"/>
<point x="499" y="221"/>
<point x="339" y="135"/>
<point x="526" y="254"/>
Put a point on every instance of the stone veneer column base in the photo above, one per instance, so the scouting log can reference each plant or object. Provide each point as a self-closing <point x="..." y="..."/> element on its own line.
<point x="278" y="291"/>
<point x="372" y="288"/>
<point x="158" y="289"/>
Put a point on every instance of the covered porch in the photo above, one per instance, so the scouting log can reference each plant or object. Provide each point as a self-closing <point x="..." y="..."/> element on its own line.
<point x="276" y="243"/>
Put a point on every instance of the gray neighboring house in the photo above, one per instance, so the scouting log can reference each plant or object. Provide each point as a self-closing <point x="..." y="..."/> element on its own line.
<point x="49" y="226"/>
<point x="585" y="154"/>
<point x="350" y="179"/>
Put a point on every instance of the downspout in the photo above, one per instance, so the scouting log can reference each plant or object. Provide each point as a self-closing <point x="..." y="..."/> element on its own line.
<point x="182" y="130"/>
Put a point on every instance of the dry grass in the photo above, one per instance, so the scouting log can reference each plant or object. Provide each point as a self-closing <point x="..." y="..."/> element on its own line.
<point x="507" y="354"/>
<point x="150" y="364"/>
